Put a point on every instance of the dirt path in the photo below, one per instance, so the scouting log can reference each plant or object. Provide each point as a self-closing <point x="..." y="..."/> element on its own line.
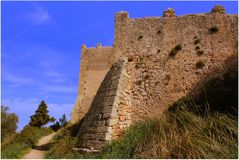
<point x="38" y="151"/>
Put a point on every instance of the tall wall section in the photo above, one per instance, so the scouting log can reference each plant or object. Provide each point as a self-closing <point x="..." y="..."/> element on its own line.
<point x="94" y="65"/>
<point x="159" y="79"/>
<point x="110" y="111"/>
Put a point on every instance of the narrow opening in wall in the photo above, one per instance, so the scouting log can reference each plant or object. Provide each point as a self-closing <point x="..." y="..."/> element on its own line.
<point x="159" y="31"/>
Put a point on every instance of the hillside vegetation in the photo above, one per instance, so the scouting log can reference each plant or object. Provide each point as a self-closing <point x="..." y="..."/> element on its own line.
<point x="201" y="126"/>
<point x="178" y="134"/>
<point x="23" y="142"/>
<point x="15" y="145"/>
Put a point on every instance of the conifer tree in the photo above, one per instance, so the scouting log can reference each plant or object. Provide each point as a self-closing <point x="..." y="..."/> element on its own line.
<point x="41" y="117"/>
<point x="63" y="120"/>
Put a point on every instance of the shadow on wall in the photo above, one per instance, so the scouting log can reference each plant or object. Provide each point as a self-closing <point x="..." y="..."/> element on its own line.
<point x="97" y="125"/>
<point x="218" y="92"/>
<point x="96" y="109"/>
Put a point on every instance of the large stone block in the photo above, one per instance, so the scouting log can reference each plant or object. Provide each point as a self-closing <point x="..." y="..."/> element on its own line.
<point x="102" y="129"/>
<point x="106" y="109"/>
<point x="114" y="84"/>
<point x="108" y="136"/>
<point x="106" y="115"/>
<point x="100" y="136"/>
<point x="109" y="101"/>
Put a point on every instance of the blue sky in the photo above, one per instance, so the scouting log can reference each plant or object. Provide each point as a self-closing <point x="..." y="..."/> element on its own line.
<point x="41" y="44"/>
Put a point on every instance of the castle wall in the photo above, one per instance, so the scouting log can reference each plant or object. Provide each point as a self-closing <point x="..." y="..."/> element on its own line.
<point x="95" y="63"/>
<point x="145" y="77"/>
<point x="158" y="79"/>
<point x="109" y="112"/>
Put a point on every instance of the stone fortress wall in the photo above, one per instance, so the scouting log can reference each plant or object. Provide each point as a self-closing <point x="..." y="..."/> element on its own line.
<point x="95" y="63"/>
<point x="159" y="79"/>
<point x="155" y="61"/>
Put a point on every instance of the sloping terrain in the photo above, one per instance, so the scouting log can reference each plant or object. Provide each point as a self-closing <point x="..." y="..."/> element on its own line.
<point x="38" y="151"/>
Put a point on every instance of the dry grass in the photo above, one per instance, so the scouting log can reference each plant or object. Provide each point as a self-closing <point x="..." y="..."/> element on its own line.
<point x="182" y="132"/>
<point x="179" y="134"/>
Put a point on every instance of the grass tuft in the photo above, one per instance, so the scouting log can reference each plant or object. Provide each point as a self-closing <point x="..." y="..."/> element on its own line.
<point x="175" y="50"/>
<point x="200" y="52"/>
<point x="200" y="65"/>
<point x="196" y="41"/>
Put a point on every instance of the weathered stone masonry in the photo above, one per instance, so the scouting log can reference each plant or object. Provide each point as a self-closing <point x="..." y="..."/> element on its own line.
<point x="158" y="79"/>
<point x="95" y="63"/>
<point x="110" y="110"/>
<point x="137" y="78"/>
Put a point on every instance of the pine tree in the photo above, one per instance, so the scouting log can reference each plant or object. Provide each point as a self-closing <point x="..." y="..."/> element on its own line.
<point x="63" y="120"/>
<point x="41" y="117"/>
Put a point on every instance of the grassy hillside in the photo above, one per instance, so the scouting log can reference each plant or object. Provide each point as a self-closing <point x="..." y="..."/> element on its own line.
<point x="178" y="134"/>
<point x="200" y="126"/>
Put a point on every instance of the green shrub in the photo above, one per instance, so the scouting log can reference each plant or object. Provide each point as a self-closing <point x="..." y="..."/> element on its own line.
<point x="62" y="148"/>
<point x="8" y="123"/>
<point x="175" y="50"/>
<point x="56" y="126"/>
<point x="200" y="65"/>
<point x="213" y="29"/>
<point x="196" y="41"/>
<point x="178" y="47"/>
<point x="173" y="53"/>
<point x="197" y="48"/>
<point x="138" y="65"/>
<point x="15" y="150"/>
